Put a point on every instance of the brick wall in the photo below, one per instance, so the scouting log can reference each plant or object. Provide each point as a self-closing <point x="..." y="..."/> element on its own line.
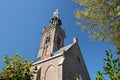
<point x="74" y="65"/>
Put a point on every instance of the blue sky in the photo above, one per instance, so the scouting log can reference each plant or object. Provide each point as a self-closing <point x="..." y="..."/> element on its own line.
<point x="21" y="23"/>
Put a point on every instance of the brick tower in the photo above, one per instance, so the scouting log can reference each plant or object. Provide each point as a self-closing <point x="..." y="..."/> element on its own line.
<point x="52" y="37"/>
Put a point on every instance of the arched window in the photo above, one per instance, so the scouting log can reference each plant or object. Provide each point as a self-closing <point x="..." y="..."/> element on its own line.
<point x="38" y="74"/>
<point x="78" y="59"/>
<point x="44" y="51"/>
<point x="47" y="39"/>
<point x="50" y="73"/>
<point x="58" y="42"/>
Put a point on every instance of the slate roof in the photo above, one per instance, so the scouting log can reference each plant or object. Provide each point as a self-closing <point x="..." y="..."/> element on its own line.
<point x="63" y="48"/>
<point x="55" y="53"/>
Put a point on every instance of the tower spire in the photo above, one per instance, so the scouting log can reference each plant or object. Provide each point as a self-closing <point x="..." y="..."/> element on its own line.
<point x="56" y="19"/>
<point x="56" y="14"/>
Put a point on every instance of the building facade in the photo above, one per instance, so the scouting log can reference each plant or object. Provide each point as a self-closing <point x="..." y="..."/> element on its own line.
<point x="56" y="61"/>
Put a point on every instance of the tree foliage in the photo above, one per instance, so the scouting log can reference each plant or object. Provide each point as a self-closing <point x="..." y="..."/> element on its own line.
<point x="101" y="18"/>
<point x="17" y="68"/>
<point x="99" y="76"/>
<point x="111" y="68"/>
<point x="78" y="78"/>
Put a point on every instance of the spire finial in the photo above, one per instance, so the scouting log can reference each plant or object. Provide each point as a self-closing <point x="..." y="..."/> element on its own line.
<point x="56" y="13"/>
<point x="56" y="19"/>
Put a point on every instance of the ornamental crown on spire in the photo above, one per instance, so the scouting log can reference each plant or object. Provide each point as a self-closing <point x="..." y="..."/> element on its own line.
<point x="56" y="19"/>
<point x="56" y="14"/>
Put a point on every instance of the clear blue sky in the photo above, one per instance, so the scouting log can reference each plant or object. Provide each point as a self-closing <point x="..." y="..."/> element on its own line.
<point x="21" y="22"/>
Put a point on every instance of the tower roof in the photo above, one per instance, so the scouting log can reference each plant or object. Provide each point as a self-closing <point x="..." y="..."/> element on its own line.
<point x="56" y="19"/>
<point x="56" y="14"/>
